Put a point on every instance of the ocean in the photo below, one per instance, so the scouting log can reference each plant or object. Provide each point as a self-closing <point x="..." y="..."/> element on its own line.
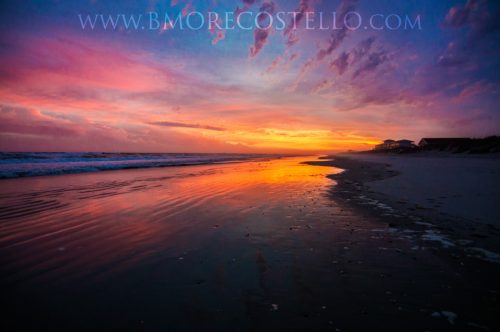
<point x="23" y="164"/>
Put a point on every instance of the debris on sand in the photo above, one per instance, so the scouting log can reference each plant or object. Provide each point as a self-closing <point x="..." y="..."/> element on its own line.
<point x="450" y="315"/>
<point x="435" y="236"/>
<point x="484" y="254"/>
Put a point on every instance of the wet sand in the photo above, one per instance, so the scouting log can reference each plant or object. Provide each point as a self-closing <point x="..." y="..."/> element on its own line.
<point x="463" y="186"/>
<point x="450" y="196"/>
<point x="258" y="246"/>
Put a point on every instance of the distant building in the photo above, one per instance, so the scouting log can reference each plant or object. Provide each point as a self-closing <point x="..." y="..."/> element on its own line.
<point x="489" y="144"/>
<point x="405" y="143"/>
<point x="385" y="146"/>
<point x="443" y="143"/>
<point x="390" y="144"/>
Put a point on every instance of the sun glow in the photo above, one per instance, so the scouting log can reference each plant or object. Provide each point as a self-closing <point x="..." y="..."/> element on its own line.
<point x="314" y="140"/>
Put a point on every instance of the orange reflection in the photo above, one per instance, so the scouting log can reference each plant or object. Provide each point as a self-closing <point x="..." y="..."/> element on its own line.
<point x="107" y="222"/>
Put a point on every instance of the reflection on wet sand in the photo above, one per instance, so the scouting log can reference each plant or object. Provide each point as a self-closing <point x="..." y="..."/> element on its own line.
<point x="75" y="225"/>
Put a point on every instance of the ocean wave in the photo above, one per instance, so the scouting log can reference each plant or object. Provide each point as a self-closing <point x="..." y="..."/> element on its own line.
<point x="16" y="164"/>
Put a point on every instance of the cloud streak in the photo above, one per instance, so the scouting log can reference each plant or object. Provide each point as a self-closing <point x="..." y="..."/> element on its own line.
<point x="299" y="14"/>
<point x="185" y="125"/>
<point x="261" y="34"/>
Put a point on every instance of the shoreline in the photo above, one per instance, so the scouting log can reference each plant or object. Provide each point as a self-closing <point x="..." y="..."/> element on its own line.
<point x="354" y="189"/>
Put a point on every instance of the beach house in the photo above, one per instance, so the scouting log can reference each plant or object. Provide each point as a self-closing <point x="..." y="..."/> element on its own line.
<point x="462" y="144"/>
<point x="390" y="144"/>
<point x="442" y="143"/>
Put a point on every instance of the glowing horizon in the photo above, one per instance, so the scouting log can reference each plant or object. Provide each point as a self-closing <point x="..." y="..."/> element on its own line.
<point x="64" y="88"/>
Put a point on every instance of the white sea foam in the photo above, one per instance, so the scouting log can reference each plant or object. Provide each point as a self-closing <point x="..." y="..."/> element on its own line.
<point x="13" y="165"/>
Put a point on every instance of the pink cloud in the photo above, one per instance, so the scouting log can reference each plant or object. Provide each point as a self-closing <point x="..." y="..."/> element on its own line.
<point x="15" y="120"/>
<point x="219" y="35"/>
<point x="24" y="129"/>
<point x="188" y="8"/>
<point x="70" y="61"/>
<point x="67" y="72"/>
<point x="185" y="125"/>
<point x="276" y="62"/>
<point x="246" y="5"/>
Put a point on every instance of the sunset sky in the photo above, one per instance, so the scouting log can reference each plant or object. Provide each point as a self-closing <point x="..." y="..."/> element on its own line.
<point x="64" y="88"/>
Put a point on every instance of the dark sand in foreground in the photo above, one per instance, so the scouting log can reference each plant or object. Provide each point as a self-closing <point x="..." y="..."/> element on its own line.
<point x="260" y="246"/>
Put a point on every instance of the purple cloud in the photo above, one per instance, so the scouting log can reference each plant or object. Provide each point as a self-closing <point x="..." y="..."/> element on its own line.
<point x="460" y="15"/>
<point x="357" y="54"/>
<point x="374" y="60"/>
<point x="18" y="120"/>
<point x="480" y="15"/>
<point x="341" y="63"/>
<point x="260" y="39"/>
<point x="337" y="36"/>
<point x="267" y="7"/>
<point x="260" y="35"/>
<point x="291" y="37"/>
<point x="362" y="49"/>
<point x="246" y="5"/>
